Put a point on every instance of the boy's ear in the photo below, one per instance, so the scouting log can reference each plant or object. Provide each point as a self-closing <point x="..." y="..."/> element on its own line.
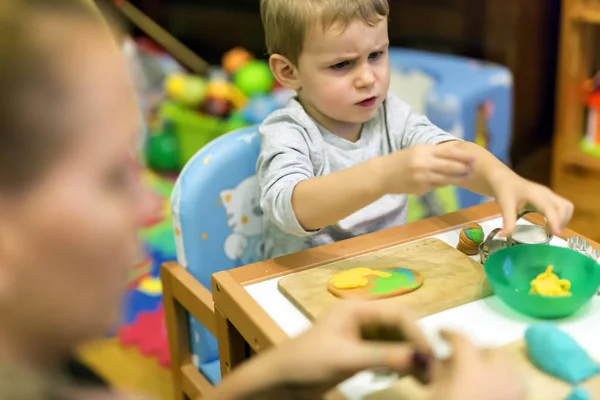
<point x="285" y="72"/>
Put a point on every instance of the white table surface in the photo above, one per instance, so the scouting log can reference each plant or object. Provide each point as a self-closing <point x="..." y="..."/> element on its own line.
<point x="487" y="322"/>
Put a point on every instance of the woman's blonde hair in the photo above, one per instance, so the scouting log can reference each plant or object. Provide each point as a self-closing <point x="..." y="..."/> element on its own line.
<point x="287" y="21"/>
<point x="29" y="133"/>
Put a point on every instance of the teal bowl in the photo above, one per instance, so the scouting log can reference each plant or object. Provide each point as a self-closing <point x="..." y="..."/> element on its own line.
<point x="511" y="270"/>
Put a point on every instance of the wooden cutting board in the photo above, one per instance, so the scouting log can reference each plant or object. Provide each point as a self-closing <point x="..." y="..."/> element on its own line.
<point x="540" y="386"/>
<point x="450" y="278"/>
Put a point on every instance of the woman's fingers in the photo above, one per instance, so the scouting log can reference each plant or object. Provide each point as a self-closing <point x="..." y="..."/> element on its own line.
<point x="385" y="322"/>
<point x="464" y="353"/>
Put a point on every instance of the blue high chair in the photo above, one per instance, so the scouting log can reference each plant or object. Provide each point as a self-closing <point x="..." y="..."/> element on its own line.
<point x="217" y="221"/>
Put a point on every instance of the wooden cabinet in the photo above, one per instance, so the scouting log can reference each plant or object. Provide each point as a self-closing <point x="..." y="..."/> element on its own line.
<point x="576" y="174"/>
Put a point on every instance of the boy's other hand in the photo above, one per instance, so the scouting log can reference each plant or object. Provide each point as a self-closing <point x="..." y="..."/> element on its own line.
<point x="513" y="193"/>
<point x="420" y="169"/>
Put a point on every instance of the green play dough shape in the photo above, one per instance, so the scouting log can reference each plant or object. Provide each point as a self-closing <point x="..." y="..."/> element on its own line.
<point x="475" y="235"/>
<point x="394" y="282"/>
<point x="557" y="354"/>
<point x="579" y="393"/>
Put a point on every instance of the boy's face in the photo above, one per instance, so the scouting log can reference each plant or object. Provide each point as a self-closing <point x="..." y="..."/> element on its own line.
<point x="344" y="75"/>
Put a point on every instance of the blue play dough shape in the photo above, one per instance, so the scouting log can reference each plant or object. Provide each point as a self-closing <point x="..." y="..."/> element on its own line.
<point x="579" y="393"/>
<point x="557" y="354"/>
<point x="406" y="272"/>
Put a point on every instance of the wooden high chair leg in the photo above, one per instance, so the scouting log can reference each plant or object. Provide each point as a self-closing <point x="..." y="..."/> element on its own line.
<point x="182" y="296"/>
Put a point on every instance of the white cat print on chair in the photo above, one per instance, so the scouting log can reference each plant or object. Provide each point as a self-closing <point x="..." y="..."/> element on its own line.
<point x="244" y="218"/>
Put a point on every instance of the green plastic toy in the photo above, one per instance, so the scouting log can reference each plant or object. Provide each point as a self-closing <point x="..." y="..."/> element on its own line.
<point x="254" y="78"/>
<point x="511" y="270"/>
<point x="163" y="151"/>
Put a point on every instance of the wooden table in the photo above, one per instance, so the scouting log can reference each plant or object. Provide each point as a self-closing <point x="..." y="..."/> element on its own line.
<point x="245" y="327"/>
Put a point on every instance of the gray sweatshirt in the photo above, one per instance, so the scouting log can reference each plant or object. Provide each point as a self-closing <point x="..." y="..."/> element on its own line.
<point x="294" y="148"/>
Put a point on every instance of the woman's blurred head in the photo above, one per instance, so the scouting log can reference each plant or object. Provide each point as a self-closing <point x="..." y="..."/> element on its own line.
<point x="70" y="201"/>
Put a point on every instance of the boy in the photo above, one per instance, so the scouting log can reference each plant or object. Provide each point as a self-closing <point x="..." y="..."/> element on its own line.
<point x="338" y="161"/>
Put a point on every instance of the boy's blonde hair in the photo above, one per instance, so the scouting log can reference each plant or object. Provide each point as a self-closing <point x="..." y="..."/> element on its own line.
<point x="287" y="21"/>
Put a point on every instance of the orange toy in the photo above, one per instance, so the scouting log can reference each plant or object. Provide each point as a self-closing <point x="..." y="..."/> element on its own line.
<point x="593" y="128"/>
<point x="236" y="58"/>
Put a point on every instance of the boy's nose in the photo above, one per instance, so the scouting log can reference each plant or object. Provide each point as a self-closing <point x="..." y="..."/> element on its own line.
<point x="365" y="78"/>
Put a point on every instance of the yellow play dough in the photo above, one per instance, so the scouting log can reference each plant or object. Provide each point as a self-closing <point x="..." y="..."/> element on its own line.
<point x="548" y="284"/>
<point x="355" y="278"/>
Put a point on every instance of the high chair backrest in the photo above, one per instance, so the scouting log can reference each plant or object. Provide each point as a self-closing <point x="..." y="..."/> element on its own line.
<point x="217" y="217"/>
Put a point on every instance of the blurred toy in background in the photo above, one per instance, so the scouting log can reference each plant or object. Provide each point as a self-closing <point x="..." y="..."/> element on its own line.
<point x="188" y="90"/>
<point x="181" y="111"/>
<point x="591" y="141"/>
<point x="483" y="115"/>
<point x="202" y="105"/>
<point x="259" y="108"/>
<point x="199" y="109"/>
<point x="236" y="58"/>
<point x="162" y="150"/>
<point x="148" y="66"/>
<point x="254" y="78"/>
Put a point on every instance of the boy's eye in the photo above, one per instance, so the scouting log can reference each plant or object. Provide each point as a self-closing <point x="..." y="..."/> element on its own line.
<point x="340" y="65"/>
<point x="375" y="55"/>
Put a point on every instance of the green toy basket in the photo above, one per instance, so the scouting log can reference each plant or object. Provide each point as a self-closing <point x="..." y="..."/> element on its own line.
<point x="192" y="129"/>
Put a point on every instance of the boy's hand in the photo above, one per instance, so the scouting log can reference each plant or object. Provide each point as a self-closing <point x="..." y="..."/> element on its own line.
<point x="513" y="193"/>
<point x="420" y="169"/>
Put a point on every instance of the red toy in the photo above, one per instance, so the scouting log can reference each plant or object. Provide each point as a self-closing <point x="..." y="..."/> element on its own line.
<point x="149" y="334"/>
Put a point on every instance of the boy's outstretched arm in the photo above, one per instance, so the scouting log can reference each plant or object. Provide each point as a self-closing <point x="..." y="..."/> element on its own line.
<point x="324" y="200"/>
<point x="299" y="202"/>
<point x="486" y="169"/>
<point x="512" y="192"/>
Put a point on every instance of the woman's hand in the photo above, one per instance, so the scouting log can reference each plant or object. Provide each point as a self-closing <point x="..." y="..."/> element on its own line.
<point x="354" y="337"/>
<point x="472" y="374"/>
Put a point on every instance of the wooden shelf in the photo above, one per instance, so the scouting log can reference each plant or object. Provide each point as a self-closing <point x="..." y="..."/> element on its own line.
<point x="576" y="173"/>
<point x="589" y="14"/>
<point x="580" y="158"/>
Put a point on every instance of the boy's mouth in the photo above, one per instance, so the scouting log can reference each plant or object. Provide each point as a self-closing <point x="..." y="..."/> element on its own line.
<point x="368" y="102"/>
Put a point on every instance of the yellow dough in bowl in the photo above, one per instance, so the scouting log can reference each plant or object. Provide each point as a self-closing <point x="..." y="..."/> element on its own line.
<point x="355" y="278"/>
<point x="548" y="284"/>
